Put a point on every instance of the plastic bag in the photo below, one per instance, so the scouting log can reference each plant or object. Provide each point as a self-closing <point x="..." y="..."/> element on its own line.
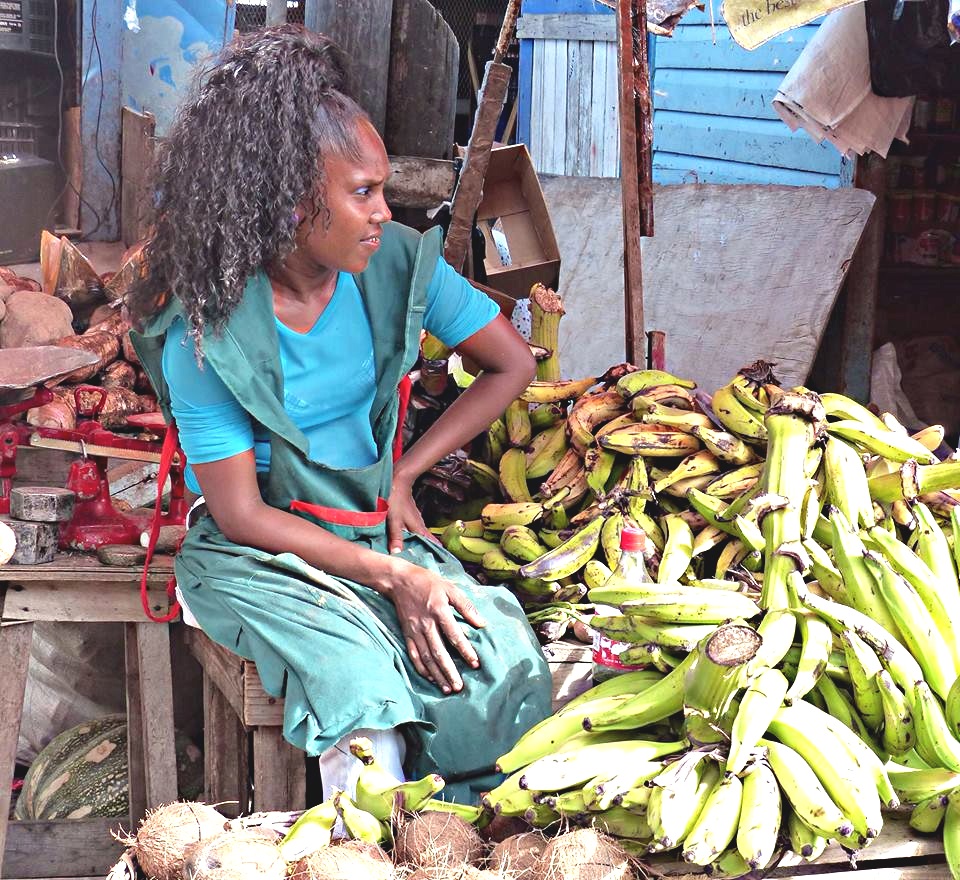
<point x="911" y="54"/>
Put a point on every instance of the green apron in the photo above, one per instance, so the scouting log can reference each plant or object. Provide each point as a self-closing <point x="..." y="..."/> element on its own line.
<point x="332" y="648"/>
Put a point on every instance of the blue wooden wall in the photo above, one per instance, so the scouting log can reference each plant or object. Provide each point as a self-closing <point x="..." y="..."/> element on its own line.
<point x="713" y="119"/>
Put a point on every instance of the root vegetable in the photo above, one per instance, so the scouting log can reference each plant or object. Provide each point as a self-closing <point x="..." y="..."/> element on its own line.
<point x="104" y="344"/>
<point x="129" y="352"/>
<point x="585" y="854"/>
<point x="119" y="403"/>
<point x="119" y="374"/>
<point x="434" y="840"/>
<point x="114" y="322"/>
<point x="520" y="855"/>
<point x="59" y="413"/>
<point x="166" y="832"/>
<point x="246" y="854"/>
<point x="347" y="861"/>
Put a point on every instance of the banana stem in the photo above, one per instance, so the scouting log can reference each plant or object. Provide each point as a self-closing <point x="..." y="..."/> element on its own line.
<point x="928" y="478"/>
<point x="713" y="681"/>
<point x="546" y="310"/>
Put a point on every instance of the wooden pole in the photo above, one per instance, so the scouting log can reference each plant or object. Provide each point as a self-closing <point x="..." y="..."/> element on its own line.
<point x="636" y="173"/>
<point x="490" y="101"/>
<point x="276" y="12"/>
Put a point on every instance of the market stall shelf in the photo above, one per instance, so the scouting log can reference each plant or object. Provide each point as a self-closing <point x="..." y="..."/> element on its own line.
<point x="77" y="588"/>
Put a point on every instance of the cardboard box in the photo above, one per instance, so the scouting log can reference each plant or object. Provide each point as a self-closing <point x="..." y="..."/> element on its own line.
<point x="521" y="246"/>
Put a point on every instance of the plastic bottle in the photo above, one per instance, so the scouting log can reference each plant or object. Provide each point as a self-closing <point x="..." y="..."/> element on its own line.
<point x="633" y="569"/>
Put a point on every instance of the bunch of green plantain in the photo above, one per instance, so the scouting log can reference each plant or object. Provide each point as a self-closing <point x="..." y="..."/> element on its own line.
<point x="829" y="531"/>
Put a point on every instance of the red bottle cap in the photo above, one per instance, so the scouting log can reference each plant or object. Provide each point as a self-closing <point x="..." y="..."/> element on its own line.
<point x="633" y="540"/>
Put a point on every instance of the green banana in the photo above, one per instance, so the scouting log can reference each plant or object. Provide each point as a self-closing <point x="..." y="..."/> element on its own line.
<point x="623" y="824"/>
<point x="863" y="665"/>
<point x="935" y="743"/>
<point x="760" y="816"/>
<point x="486" y="478"/>
<point x="839" y="407"/>
<point x="758" y="706"/>
<point x="802" y="839"/>
<point x="803" y="789"/>
<point x="846" y="482"/>
<point x="776" y="629"/>
<point x="380" y="793"/>
<point x="522" y="513"/>
<point x="716" y="826"/>
<point x="598" y="464"/>
<point x="611" y="791"/>
<point x="825" y="572"/>
<point x="496" y="441"/>
<point x="889" y="444"/>
<point x="736" y="418"/>
<point x="610" y="539"/>
<point x="569" y="557"/>
<point x="725" y="446"/>
<point x="898" y="731"/>
<point x="640" y="380"/>
<point x="728" y="864"/>
<point x="641" y="630"/>
<point x="679" y="604"/>
<point x="546" y="415"/>
<point x="467" y="812"/>
<point x="312" y="831"/>
<point x="927" y="816"/>
<point x="915" y="785"/>
<point x="679" y="794"/>
<point x="498" y="566"/>
<point x="816" y="644"/>
<point x="360" y="824"/>
<point x="734" y="483"/>
<point x="951" y="836"/>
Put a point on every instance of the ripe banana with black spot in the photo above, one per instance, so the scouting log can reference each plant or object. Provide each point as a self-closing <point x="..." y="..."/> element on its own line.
<point x="640" y="380"/>
<point x="678" y="550"/>
<point x="650" y="441"/>
<point x="556" y="391"/>
<point x="898" y="731"/>
<point x="513" y="475"/>
<point x="545" y="451"/>
<point x="521" y="543"/>
<point x="736" y="418"/>
<point x="569" y="557"/>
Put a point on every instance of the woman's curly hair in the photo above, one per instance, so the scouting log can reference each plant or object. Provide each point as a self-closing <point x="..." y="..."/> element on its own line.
<point x="244" y="151"/>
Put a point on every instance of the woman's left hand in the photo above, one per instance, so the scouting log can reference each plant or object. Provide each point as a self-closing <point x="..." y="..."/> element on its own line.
<point x="404" y="515"/>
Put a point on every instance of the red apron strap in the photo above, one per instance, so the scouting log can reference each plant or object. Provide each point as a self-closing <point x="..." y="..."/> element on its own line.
<point x="404" y="390"/>
<point x="337" y="516"/>
<point x="171" y="442"/>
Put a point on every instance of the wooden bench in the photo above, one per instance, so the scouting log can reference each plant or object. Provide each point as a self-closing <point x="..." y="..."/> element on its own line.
<point x="248" y="765"/>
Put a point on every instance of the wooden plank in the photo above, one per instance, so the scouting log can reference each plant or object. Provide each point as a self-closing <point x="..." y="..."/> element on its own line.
<point x="362" y="29"/>
<point x="595" y="28"/>
<point x="259" y="707"/>
<point x="223" y="668"/>
<point x="72" y="159"/>
<point x="224" y="753"/>
<point x="279" y="776"/>
<point x="765" y="264"/>
<point x="417" y="182"/>
<point x="548" y="109"/>
<point x="692" y="46"/>
<point x="14" y="659"/>
<point x="559" y="115"/>
<point x="572" y="149"/>
<point x="73" y="567"/>
<point x="75" y="849"/>
<point x="745" y="94"/>
<point x="672" y="168"/>
<point x="611" y="122"/>
<point x="136" y="770"/>
<point x="99" y="600"/>
<point x="156" y="699"/>
<point x="604" y="97"/>
<point x="424" y="64"/>
<point x="136" y="160"/>
<point x="584" y="118"/>
<point x="537" y="113"/>
<point x="756" y="141"/>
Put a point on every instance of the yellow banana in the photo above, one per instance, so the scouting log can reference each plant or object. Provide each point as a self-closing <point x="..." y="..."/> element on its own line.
<point x="725" y="446"/>
<point x="465" y="548"/>
<point x="563" y="474"/>
<point x="380" y="793"/>
<point x="598" y="464"/>
<point x="513" y="475"/>
<point x="678" y="550"/>
<point x="556" y="391"/>
<point x="610" y="539"/>
<point x="496" y="441"/>
<point x="521" y="543"/>
<point x="499" y="516"/>
<point x="545" y="451"/>
<point x="816" y="644"/>
<point x="750" y="393"/>
<point x="312" y="831"/>
<point x="546" y="415"/>
<point x="899" y="735"/>
<point x="649" y="441"/>
<point x="640" y="380"/>
<point x="735" y="482"/>
<point x="360" y="824"/>
<point x="736" y="418"/>
<point x="517" y="419"/>
<point x="839" y="407"/>
<point x="846" y="481"/>
<point x="569" y="557"/>
<point x="707" y="538"/>
<point x="682" y="604"/>
<point x="669" y="394"/>
<point x="651" y="413"/>
<point x="595" y="574"/>
<point x="699" y="464"/>
<point x="590" y="411"/>
<point x="499" y="566"/>
<point x="486" y="478"/>
<point x="636" y="629"/>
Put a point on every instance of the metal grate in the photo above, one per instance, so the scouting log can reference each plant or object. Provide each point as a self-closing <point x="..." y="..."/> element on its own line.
<point x="252" y="14"/>
<point x="18" y="139"/>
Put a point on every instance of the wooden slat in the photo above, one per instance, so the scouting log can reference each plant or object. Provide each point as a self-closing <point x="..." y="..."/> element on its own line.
<point x="595" y="28"/>
<point x="583" y="120"/>
<point x="136" y="769"/>
<point x="611" y="122"/>
<point x="76" y="849"/>
<point x="670" y="168"/>
<point x="746" y="94"/>
<point x="137" y="140"/>
<point x="755" y="141"/>
<point x="692" y="46"/>
<point x="259" y="707"/>
<point x="94" y="601"/>
<point x="224" y="753"/>
<point x="537" y="113"/>
<point x="604" y="95"/>
<point x="419" y="182"/>
<point x="83" y="567"/>
<point x="14" y="659"/>
<point x="156" y="700"/>
<point x="224" y="669"/>
<point x="279" y="775"/>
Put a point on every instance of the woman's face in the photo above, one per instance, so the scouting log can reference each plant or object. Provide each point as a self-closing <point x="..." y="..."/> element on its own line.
<point x="352" y="192"/>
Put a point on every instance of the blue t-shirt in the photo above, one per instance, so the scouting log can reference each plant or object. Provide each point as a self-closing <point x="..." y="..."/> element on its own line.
<point x="329" y="378"/>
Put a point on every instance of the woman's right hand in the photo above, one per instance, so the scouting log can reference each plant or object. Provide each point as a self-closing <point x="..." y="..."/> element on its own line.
<point x="425" y="604"/>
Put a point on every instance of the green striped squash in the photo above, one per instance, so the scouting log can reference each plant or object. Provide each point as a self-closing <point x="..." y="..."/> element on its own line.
<point x="82" y="772"/>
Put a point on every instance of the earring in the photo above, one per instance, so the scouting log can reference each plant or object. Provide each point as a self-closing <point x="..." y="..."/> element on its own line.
<point x="296" y="217"/>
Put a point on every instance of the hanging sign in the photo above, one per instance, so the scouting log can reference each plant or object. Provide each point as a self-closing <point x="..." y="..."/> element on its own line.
<point x="753" y="22"/>
<point x="11" y="16"/>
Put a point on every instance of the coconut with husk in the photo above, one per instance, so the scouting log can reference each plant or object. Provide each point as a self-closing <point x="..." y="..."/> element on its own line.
<point x="436" y="840"/>
<point x="349" y="860"/>
<point x="165" y="833"/>
<point x="464" y="872"/>
<point x="245" y="854"/>
<point x="520" y="855"/>
<point x="585" y="854"/>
